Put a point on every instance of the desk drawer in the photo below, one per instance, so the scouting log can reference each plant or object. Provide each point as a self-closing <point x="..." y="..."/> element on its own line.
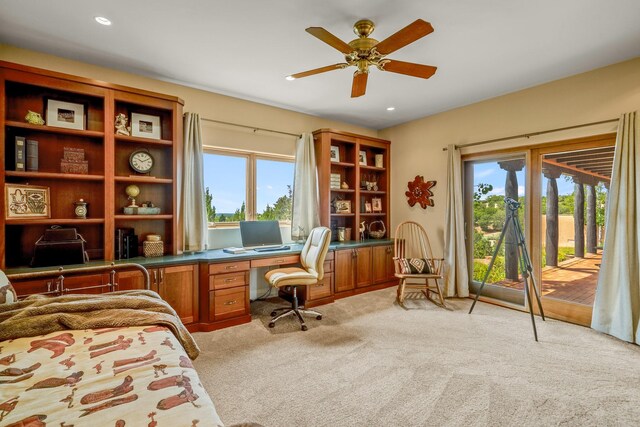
<point x="228" y="280"/>
<point x="330" y="256"/>
<point x="322" y="289"/>
<point x="228" y="303"/>
<point x="280" y="260"/>
<point x="229" y="267"/>
<point x="327" y="266"/>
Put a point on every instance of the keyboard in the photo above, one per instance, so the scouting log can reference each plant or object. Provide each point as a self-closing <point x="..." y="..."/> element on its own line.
<point x="276" y="248"/>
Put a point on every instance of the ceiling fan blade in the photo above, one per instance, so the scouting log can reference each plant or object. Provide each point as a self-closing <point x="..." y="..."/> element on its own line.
<point x="330" y="39"/>
<point x="410" y="69"/>
<point x="319" y="70"/>
<point x="405" y="36"/>
<point x="359" y="86"/>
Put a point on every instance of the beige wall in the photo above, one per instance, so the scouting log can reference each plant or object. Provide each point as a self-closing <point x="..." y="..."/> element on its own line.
<point x="416" y="146"/>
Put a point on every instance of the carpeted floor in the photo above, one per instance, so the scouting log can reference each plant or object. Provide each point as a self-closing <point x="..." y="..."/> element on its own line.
<point x="371" y="363"/>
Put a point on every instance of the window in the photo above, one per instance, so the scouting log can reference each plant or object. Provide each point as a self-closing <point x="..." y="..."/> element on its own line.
<point x="247" y="186"/>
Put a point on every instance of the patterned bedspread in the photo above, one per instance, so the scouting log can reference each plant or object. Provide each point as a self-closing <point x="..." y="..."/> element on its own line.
<point x="130" y="376"/>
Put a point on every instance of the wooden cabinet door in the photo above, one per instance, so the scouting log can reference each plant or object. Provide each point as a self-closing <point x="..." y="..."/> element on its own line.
<point x="380" y="273"/>
<point x="363" y="262"/>
<point x="178" y="285"/>
<point x="132" y="280"/>
<point x="383" y="268"/>
<point x="89" y="284"/>
<point x="30" y="287"/>
<point x="344" y="274"/>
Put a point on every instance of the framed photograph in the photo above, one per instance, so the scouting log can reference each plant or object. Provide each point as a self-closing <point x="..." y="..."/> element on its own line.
<point x="343" y="206"/>
<point x="145" y="126"/>
<point x="376" y="204"/>
<point x="362" y="158"/>
<point x="65" y="114"/>
<point x="26" y="201"/>
<point x="335" y="153"/>
<point x="367" y="207"/>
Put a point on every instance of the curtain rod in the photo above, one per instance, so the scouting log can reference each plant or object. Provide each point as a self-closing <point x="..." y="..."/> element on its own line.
<point x="527" y="135"/>
<point x="255" y="129"/>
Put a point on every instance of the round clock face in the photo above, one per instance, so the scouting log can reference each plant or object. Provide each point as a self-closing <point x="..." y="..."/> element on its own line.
<point x="141" y="161"/>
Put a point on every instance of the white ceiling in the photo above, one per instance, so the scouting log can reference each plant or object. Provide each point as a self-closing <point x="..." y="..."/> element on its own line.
<point x="245" y="48"/>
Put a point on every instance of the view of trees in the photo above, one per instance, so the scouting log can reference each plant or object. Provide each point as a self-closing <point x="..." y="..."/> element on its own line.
<point x="281" y="209"/>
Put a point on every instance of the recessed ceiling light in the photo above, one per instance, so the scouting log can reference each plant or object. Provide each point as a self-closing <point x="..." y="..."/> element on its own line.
<point x="290" y="78"/>
<point x="102" y="20"/>
<point x="391" y="108"/>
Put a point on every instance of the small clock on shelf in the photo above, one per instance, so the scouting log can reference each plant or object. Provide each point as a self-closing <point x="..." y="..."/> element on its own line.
<point x="141" y="161"/>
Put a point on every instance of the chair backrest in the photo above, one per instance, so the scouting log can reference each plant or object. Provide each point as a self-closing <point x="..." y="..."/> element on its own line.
<point x="411" y="241"/>
<point x="315" y="251"/>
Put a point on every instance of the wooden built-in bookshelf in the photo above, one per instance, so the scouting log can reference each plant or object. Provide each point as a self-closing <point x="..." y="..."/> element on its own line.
<point x="24" y="88"/>
<point x="352" y="172"/>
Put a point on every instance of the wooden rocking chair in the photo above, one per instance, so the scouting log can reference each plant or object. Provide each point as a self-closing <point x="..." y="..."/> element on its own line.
<point x="414" y="261"/>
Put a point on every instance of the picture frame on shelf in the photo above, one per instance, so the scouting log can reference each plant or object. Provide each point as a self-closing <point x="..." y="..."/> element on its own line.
<point x="362" y="158"/>
<point x="376" y="204"/>
<point x="67" y="115"/>
<point x="26" y="201"/>
<point x="145" y="126"/>
<point x="367" y="207"/>
<point x="343" y="206"/>
<point x="334" y="154"/>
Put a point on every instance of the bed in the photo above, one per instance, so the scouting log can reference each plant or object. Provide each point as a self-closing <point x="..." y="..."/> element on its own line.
<point x="119" y="359"/>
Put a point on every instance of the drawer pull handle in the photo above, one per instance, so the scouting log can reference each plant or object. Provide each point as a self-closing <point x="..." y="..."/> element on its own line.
<point x="230" y="280"/>
<point x="319" y="285"/>
<point x="231" y="267"/>
<point x="230" y="302"/>
<point x="279" y="261"/>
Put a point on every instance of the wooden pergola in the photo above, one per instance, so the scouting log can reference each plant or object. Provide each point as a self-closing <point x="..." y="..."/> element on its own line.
<point x="587" y="168"/>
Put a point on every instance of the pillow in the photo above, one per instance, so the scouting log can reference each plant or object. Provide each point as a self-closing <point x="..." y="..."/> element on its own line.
<point x="413" y="266"/>
<point x="7" y="293"/>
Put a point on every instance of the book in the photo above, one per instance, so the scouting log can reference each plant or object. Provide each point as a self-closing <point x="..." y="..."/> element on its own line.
<point x="32" y="155"/>
<point x="20" y="153"/>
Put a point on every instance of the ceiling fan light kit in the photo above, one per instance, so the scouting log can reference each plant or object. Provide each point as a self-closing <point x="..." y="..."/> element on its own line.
<point x="365" y="52"/>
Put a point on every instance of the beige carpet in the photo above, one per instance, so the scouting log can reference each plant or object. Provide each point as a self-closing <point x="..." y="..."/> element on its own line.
<point x="371" y="363"/>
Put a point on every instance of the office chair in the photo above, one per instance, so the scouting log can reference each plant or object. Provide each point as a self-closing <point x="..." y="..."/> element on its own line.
<point x="312" y="257"/>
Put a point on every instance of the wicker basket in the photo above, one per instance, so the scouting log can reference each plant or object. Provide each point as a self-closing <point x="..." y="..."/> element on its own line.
<point x="151" y="249"/>
<point x="377" y="234"/>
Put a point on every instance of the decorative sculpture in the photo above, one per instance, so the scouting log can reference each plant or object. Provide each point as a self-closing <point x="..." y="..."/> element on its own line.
<point x="34" y="118"/>
<point x="121" y="125"/>
<point x="420" y="192"/>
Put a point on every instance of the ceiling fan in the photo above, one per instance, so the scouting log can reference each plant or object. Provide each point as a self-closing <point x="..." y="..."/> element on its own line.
<point x="365" y="52"/>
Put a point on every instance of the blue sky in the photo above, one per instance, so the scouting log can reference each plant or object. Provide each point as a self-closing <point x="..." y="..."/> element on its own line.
<point x="226" y="178"/>
<point x="490" y="173"/>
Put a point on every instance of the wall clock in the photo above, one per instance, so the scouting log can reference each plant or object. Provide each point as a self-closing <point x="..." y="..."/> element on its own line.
<point x="141" y="161"/>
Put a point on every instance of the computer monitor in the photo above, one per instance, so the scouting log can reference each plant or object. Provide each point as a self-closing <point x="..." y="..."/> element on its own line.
<point x="258" y="234"/>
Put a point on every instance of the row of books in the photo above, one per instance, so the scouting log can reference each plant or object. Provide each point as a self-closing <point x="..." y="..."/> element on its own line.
<point x="25" y="154"/>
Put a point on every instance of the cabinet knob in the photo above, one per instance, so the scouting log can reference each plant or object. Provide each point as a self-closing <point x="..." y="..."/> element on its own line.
<point x="233" y="279"/>
<point x="231" y="267"/>
<point x="230" y="302"/>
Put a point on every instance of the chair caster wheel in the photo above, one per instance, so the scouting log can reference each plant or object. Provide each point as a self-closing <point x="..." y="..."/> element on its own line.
<point x="319" y="317"/>
<point x="273" y="313"/>
<point x="304" y="327"/>
<point x="271" y="324"/>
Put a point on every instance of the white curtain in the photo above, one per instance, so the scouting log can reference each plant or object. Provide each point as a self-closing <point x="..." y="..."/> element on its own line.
<point x="457" y="275"/>
<point x="305" y="215"/>
<point x="192" y="209"/>
<point x="616" y="310"/>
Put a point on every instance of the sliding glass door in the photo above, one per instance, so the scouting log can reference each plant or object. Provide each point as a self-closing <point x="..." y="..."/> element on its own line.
<point x="488" y="181"/>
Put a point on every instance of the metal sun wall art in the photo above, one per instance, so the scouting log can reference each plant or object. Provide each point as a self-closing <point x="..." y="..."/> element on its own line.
<point x="420" y="192"/>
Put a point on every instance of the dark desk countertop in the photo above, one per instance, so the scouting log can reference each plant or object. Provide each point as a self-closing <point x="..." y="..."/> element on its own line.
<point x="210" y="256"/>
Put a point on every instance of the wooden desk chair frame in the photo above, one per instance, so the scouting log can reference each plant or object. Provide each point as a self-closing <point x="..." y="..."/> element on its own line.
<point x="411" y="241"/>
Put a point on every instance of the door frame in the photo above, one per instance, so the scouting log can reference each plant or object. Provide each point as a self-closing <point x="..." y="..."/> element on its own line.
<point x="555" y="309"/>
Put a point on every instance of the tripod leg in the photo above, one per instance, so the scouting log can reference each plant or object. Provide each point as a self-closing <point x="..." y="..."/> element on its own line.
<point x="493" y="260"/>
<point x="529" y="267"/>
<point x="525" y="276"/>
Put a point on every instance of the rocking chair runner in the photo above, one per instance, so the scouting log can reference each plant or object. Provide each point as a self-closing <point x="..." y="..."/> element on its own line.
<point x="412" y="248"/>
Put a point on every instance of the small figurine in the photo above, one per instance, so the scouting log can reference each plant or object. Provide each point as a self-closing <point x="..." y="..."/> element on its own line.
<point x="34" y="118"/>
<point x="362" y="228"/>
<point x="344" y="185"/>
<point x="121" y="125"/>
